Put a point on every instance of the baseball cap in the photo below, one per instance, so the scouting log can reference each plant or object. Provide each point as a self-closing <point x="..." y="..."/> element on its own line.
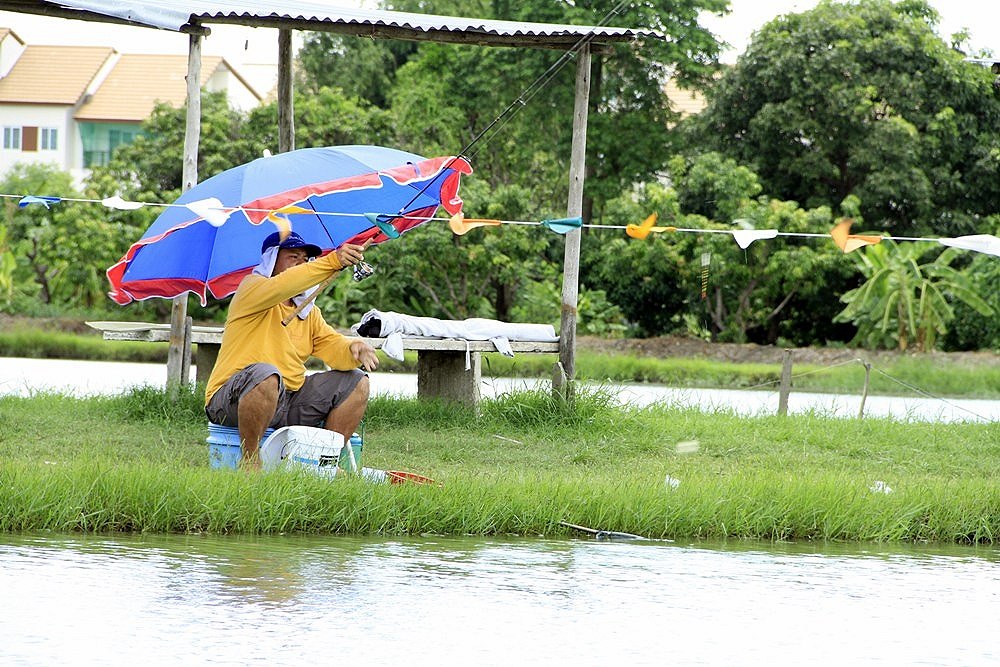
<point x="293" y="240"/>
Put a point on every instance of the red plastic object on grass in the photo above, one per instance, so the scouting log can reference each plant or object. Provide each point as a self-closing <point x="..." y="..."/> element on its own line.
<point x="400" y="477"/>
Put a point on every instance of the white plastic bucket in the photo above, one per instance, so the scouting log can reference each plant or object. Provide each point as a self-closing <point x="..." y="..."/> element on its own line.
<point x="315" y="449"/>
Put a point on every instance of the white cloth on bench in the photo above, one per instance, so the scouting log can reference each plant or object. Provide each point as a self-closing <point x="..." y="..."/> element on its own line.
<point x="473" y="328"/>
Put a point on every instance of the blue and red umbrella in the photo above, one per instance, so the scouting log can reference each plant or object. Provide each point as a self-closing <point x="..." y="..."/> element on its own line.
<point x="329" y="196"/>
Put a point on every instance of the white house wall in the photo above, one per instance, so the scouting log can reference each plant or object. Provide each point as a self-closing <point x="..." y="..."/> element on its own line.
<point x="238" y="95"/>
<point x="10" y="51"/>
<point x="54" y="116"/>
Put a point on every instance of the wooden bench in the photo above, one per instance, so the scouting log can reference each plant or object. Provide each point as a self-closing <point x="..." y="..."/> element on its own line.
<point x="441" y="362"/>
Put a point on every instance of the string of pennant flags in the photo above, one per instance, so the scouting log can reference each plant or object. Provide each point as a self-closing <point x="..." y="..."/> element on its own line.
<point x="215" y="213"/>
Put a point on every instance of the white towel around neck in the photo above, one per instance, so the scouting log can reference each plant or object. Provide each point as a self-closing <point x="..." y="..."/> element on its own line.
<point x="266" y="267"/>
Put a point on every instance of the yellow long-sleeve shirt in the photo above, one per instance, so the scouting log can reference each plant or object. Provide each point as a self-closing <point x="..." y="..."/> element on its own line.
<point x="254" y="332"/>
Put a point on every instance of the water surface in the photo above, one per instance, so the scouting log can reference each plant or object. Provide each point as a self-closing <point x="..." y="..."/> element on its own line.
<point x="292" y="600"/>
<point x="21" y="377"/>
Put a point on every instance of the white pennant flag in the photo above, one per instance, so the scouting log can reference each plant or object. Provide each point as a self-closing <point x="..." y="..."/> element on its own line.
<point x="985" y="243"/>
<point x="744" y="237"/>
<point x="120" y="204"/>
<point x="211" y="210"/>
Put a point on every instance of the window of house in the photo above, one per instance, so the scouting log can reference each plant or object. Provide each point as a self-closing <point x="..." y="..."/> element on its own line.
<point x="12" y="138"/>
<point x="50" y="139"/>
<point x="101" y="139"/>
<point x="118" y="138"/>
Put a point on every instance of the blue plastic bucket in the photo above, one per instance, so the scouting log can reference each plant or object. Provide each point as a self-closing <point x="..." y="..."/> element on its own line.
<point x="224" y="445"/>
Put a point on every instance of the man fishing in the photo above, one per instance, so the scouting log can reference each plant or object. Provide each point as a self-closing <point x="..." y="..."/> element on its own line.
<point x="272" y="328"/>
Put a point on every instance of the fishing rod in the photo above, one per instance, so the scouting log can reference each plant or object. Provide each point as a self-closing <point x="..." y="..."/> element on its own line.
<point x="499" y="122"/>
<point x="600" y="535"/>
<point x="522" y="100"/>
<point x="360" y="271"/>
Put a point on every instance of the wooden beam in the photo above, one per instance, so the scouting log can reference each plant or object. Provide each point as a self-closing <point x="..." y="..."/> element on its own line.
<point x="598" y="44"/>
<point x="574" y="208"/>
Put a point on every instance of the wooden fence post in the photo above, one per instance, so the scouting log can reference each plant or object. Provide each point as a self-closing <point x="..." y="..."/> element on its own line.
<point x="785" y="385"/>
<point x="864" y="394"/>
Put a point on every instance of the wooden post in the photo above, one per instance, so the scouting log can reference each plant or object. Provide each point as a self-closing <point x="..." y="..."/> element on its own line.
<point x="286" y="105"/>
<point x="786" y="383"/>
<point x="864" y="394"/>
<point x="574" y="207"/>
<point x="186" y="350"/>
<point x="178" y="354"/>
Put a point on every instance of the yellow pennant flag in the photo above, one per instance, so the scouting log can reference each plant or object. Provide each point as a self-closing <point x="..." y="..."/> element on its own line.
<point x="283" y="224"/>
<point x="460" y="225"/>
<point x="647" y="226"/>
<point x="292" y="208"/>
<point x="850" y="242"/>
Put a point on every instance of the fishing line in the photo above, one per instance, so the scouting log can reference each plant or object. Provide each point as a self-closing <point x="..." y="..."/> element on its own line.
<point x="522" y="100"/>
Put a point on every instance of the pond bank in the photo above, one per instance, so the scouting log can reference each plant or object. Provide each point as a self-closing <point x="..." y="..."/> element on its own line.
<point x="524" y="466"/>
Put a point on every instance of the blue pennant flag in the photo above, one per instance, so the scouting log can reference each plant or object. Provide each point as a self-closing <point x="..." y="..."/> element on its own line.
<point x="563" y="225"/>
<point x="32" y="199"/>
<point x="382" y="221"/>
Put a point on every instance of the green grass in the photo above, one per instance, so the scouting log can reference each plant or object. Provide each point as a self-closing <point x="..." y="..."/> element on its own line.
<point x="40" y="344"/>
<point x="527" y="462"/>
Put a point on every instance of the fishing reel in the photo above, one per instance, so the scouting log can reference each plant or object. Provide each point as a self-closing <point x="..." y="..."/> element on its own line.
<point x="363" y="270"/>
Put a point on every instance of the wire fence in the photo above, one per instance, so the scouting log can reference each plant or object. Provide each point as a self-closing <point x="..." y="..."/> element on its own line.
<point x="784" y="384"/>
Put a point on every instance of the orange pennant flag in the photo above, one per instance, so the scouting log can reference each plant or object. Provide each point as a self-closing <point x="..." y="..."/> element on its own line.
<point x="850" y="242"/>
<point x="460" y="225"/>
<point x="643" y="230"/>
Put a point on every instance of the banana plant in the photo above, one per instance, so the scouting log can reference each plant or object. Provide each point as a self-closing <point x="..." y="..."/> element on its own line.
<point x="903" y="300"/>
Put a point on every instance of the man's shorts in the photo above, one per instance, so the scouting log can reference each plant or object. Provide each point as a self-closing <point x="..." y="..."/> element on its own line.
<point x="309" y="406"/>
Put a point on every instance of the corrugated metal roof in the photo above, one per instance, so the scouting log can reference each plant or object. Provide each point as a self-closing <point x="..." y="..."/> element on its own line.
<point x="53" y="74"/>
<point x="138" y="81"/>
<point x="174" y="15"/>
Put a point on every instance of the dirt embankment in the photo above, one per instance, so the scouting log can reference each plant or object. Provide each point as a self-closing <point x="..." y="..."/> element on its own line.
<point x="674" y="346"/>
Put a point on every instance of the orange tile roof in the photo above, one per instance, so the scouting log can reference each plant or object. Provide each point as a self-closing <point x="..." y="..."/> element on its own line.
<point x="138" y="81"/>
<point x="4" y="32"/>
<point x="53" y="74"/>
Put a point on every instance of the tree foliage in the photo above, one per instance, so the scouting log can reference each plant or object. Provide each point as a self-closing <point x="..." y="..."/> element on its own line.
<point x="863" y="99"/>
<point x="782" y="289"/>
<point x="53" y="247"/>
<point x="852" y="109"/>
